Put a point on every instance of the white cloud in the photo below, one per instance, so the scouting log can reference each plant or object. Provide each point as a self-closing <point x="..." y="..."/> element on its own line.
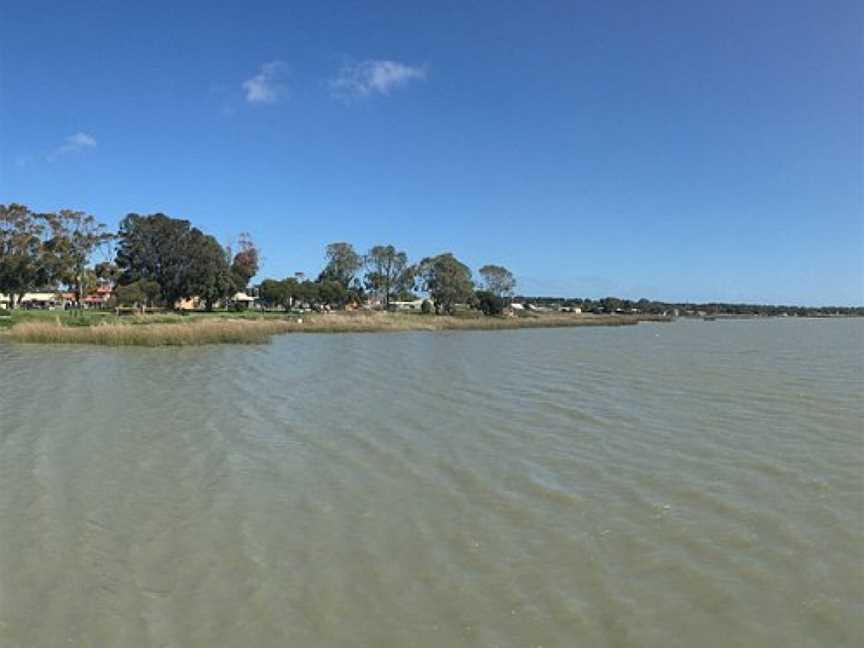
<point x="268" y="85"/>
<point x="370" y="77"/>
<point x="76" y="142"/>
<point x="81" y="140"/>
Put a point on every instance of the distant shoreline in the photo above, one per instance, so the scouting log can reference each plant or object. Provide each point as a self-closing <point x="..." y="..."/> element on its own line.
<point x="201" y="328"/>
<point x="257" y="328"/>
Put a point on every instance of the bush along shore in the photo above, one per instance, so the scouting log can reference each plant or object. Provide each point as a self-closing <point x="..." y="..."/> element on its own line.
<point x="230" y="329"/>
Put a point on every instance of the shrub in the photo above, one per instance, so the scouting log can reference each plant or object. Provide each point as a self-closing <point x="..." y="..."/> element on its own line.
<point x="489" y="302"/>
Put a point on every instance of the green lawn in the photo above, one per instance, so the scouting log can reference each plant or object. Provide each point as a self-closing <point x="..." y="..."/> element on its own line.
<point x="92" y="317"/>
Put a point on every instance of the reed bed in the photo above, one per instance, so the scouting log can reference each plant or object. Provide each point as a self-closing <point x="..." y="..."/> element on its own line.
<point x="189" y="331"/>
<point x="194" y="332"/>
<point x="376" y="321"/>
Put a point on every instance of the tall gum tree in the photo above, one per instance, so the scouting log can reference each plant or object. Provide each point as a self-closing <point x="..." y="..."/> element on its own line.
<point x="499" y="281"/>
<point x="40" y="250"/>
<point x="343" y="264"/>
<point x="75" y="236"/>
<point x="388" y="272"/>
<point x="447" y="280"/>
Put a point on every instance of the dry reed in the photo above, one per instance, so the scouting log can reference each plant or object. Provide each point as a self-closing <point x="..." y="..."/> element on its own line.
<point x="195" y="332"/>
<point x="224" y="330"/>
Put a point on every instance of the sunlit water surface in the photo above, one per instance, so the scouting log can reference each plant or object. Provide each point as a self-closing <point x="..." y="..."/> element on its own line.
<point x="686" y="484"/>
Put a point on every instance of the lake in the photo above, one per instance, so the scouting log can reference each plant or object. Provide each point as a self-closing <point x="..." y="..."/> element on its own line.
<point x="693" y="483"/>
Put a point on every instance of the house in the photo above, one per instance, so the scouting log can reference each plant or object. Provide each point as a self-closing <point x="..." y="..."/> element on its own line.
<point x="517" y="307"/>
<point x="242" y="299"/>
<point x="42" y="300"/>
<point x="188" y="304"/>
<point x="101" y="297"/>
<point x="415" y="305"/>
<point x="373" y="303"/>
<point x="5" y="302"/>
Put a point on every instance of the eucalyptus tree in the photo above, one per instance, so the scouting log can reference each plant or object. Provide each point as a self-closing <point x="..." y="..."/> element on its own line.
<point x="21" y="266"/>
<point x="74" y="237"/>
<point x="244" y="264"/>
<point x="388" y="272"/>
<point x="447" y="280"/>
<point x="107" y="271"/>
<point x="343" y="264"/>
<point x="43" y="249"/>
<point x="499" y="281"/>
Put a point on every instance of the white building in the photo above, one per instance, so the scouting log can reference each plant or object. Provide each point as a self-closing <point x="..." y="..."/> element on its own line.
<point x="243" y="299"/>
<point x="415" y="305"/>
<point x="49" y="300"/>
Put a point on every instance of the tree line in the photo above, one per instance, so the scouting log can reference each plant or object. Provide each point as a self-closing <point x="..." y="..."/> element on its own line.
<point x="654" y="307"/>
<point x="385" y="274"/>
<point x="157" y="260"/>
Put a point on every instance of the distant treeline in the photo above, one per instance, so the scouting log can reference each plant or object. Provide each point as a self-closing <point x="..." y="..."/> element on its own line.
<point x="158" y="260"/>
<point x="615" y="304"/>
<point x="151" y="259"/>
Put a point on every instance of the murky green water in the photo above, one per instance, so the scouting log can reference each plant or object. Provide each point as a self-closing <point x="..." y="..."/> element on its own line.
<point x="654" y="486"/>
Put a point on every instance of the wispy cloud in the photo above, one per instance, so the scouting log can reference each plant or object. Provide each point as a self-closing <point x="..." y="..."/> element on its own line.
<point x="72" y="144"/>
<point x="371" y="77"/>
<point x="268" y="86"/>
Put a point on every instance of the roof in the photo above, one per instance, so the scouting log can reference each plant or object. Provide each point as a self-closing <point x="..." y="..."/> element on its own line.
<point x="39" y="296"/>
<point x="242" y="297"/>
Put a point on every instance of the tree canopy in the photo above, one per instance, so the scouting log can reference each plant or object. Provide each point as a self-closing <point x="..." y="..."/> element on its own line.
<point x="273" y="293"/>
<point x="447" y="280"/>
<point x="498" y="280"/>
<point x="74" y="237"/>
<point x="22" y="258"/>
<point x="489" y="303"/>
<point x="388" y="273"/>
<point x="144" y="292"/>
<point x="244" y="265"/>
<point x="42" y="249"/>
<point x="181" y="259"/>
<point x="343" y="264"/>
<point x="208" y="273"/>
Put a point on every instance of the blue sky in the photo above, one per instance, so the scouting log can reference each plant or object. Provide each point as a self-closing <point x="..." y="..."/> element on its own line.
<point x="676" y="150"/>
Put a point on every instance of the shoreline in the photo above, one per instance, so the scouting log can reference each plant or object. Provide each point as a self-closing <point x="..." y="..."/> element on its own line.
<point x="258" y="328"/>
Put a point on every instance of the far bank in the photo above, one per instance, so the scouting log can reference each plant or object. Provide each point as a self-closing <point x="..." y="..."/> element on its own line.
<point x="256" y="328"/>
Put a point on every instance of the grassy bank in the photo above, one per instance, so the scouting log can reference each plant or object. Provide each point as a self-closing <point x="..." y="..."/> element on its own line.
<point x="257" y="328"/>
